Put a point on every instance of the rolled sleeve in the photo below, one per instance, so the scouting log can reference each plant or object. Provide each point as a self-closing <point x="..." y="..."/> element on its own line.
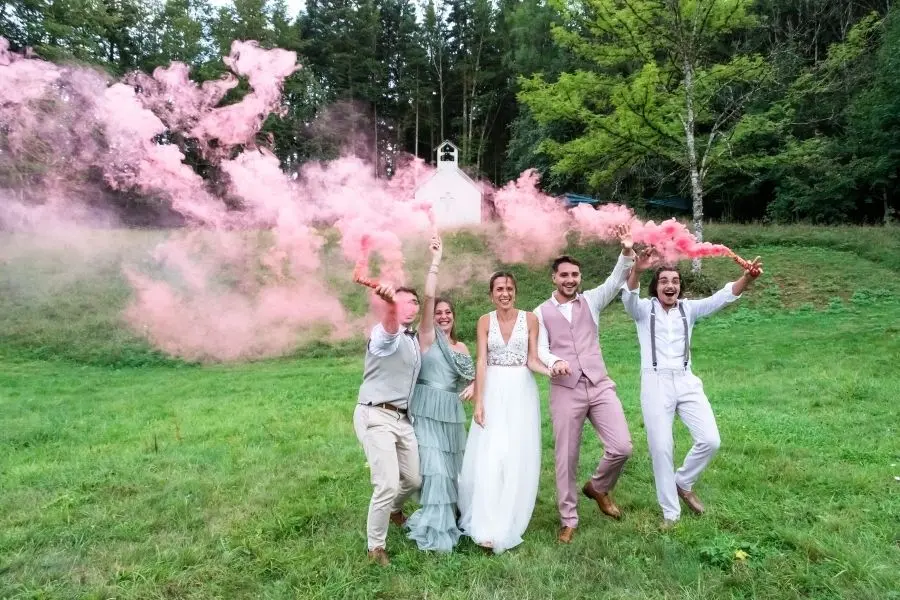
<point x="382" y="343"/>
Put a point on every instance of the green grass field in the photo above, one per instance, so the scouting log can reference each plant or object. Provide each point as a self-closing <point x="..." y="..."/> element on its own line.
<point x="126" y="474"/>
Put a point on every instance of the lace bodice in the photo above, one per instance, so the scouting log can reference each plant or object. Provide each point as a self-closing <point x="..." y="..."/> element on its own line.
<point x="513" y="354"/>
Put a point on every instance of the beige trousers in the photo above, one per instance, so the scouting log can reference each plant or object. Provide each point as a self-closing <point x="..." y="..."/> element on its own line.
<point x="390" y="445"/>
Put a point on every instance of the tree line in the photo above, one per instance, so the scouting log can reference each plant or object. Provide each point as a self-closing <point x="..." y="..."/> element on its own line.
<point x="779" y="110"/>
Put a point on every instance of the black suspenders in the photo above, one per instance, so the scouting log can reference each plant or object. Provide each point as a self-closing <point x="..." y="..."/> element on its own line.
<point x="687" y="343"/>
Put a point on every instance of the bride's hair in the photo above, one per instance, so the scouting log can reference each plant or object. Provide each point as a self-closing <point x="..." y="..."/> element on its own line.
<point x="501" y="274"/>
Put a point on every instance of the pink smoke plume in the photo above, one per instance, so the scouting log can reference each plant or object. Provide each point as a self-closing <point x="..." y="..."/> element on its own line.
<point x="251" y="273"/>
<point x="671" y="239"/>
<point x="246" y="278"/>
<point x="535" y="225"/>
<point x="347" y="194"/>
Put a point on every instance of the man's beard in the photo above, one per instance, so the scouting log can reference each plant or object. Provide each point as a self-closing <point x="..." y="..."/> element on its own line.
<point x="562" y="292"/>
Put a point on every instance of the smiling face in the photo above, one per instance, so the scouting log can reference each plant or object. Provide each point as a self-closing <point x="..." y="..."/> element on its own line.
<point x="567" y="279"/>
<point x="503" y="291"/>
<point x="444" y="317"/>
<point x="667" y="287"/>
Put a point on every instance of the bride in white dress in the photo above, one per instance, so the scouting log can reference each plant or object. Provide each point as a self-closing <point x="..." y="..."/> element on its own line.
<point x="499" y="480"/>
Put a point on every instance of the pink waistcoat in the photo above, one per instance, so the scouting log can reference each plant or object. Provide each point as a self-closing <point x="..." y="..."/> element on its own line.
<point x="577" y="342"/>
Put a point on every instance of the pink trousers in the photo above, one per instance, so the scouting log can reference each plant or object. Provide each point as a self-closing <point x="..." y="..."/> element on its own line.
<point x="569" y="407"/>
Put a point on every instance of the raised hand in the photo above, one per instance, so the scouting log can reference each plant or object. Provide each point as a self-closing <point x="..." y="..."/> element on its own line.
<point x="437" y="249"/>
<point x="623" y="233"/>
<point x="755" y="268"/>
<point x="647" y="258"/>
<point x="386" y="292"/>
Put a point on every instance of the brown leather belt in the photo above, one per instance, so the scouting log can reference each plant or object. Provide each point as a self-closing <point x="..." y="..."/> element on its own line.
<point x="391" y="407"/>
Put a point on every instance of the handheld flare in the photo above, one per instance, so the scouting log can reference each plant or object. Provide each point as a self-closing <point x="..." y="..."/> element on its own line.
<point x="361" y="278"/>
<point x="745" y="264"/>
<point x="361" y="269"/>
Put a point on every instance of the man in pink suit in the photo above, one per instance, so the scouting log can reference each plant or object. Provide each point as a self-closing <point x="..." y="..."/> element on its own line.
<point x="568" y="343"/>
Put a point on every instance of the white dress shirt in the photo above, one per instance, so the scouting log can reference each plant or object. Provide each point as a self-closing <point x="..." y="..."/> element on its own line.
<point x="382" y="343"/>
<point x="596" y="299"/>
<point x="669" y="327"/>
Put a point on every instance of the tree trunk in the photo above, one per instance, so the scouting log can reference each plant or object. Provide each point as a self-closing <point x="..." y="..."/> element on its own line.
<point x="431" y="135"/>
<point x="888" y="213"/>
<point x="473" y="94"/>
<point x="696" y="183"/>
<point x="441" y="85"/>
<point x="464" y="149"/>
<point x="440" y="74"/>
<point x="416" y="143"/>
<point x="398" y="144"/>
<point x="472" y="148"/>
<point x="479" y="150"/>
<point x="375" y="108"/>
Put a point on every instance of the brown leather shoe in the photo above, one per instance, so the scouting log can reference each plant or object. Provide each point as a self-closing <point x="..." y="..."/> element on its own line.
<point x="398" y="518"/>
<point x="379" y="557"/>
<point x="691" y="499"/>
<point x="606" y="504"/>
<point x="566" y="534"/>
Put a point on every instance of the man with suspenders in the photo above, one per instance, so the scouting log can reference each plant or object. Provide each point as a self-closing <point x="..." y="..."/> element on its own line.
<point x="664" y="325"/>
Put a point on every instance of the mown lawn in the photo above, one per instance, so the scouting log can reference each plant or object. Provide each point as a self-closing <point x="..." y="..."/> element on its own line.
<point x="130" y="475"/>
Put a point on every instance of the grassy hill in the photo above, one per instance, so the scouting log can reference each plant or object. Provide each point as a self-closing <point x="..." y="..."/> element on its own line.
<point x="65" y="301"/>
<point x="127" y="474"/>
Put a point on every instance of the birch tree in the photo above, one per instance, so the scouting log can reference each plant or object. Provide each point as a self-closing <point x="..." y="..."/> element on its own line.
<point x="667" y="81"/>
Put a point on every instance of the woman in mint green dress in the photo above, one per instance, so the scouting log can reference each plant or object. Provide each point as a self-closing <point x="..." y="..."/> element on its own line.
<point x="439" y="419"/>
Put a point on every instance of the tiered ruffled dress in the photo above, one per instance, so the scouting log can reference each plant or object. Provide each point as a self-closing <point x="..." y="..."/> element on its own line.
<point x="439" y="423"/>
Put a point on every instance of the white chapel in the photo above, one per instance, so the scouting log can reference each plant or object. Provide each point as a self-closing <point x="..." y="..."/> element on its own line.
<point x="456" y="199"/>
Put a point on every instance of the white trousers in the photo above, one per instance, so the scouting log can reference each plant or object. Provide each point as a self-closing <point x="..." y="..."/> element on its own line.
<point x="391" y="450"/>
<point x="663" y="394"/>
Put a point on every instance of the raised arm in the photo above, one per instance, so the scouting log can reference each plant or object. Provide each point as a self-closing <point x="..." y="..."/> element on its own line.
<point x="636" y="308"/>
<point x="728" y="294"/>
<point x="534" y="363"/>
<point x="599" y="297"/>
<point x="640" y="265"/>
<point x="386" y="334"/>
<point x="426" y="328"/>
<point x="755" y="270"/>
<point x="387" y="309"/>
<point x="480" y="368"/>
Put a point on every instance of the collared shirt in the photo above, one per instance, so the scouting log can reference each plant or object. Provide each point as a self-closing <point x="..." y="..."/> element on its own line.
<point x="596" y="299"/>
<point x="669" y="327"/>
<point x="382" y="343"/>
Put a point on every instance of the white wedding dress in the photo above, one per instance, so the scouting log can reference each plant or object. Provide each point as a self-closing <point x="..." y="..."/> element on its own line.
<point x="499" y="480"/>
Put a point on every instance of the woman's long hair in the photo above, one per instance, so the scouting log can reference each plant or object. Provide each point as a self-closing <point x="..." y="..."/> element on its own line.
<point x="437" y="302"/>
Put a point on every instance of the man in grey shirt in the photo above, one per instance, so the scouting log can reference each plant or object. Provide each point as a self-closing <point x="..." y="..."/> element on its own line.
<point x="392" y="363"/>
